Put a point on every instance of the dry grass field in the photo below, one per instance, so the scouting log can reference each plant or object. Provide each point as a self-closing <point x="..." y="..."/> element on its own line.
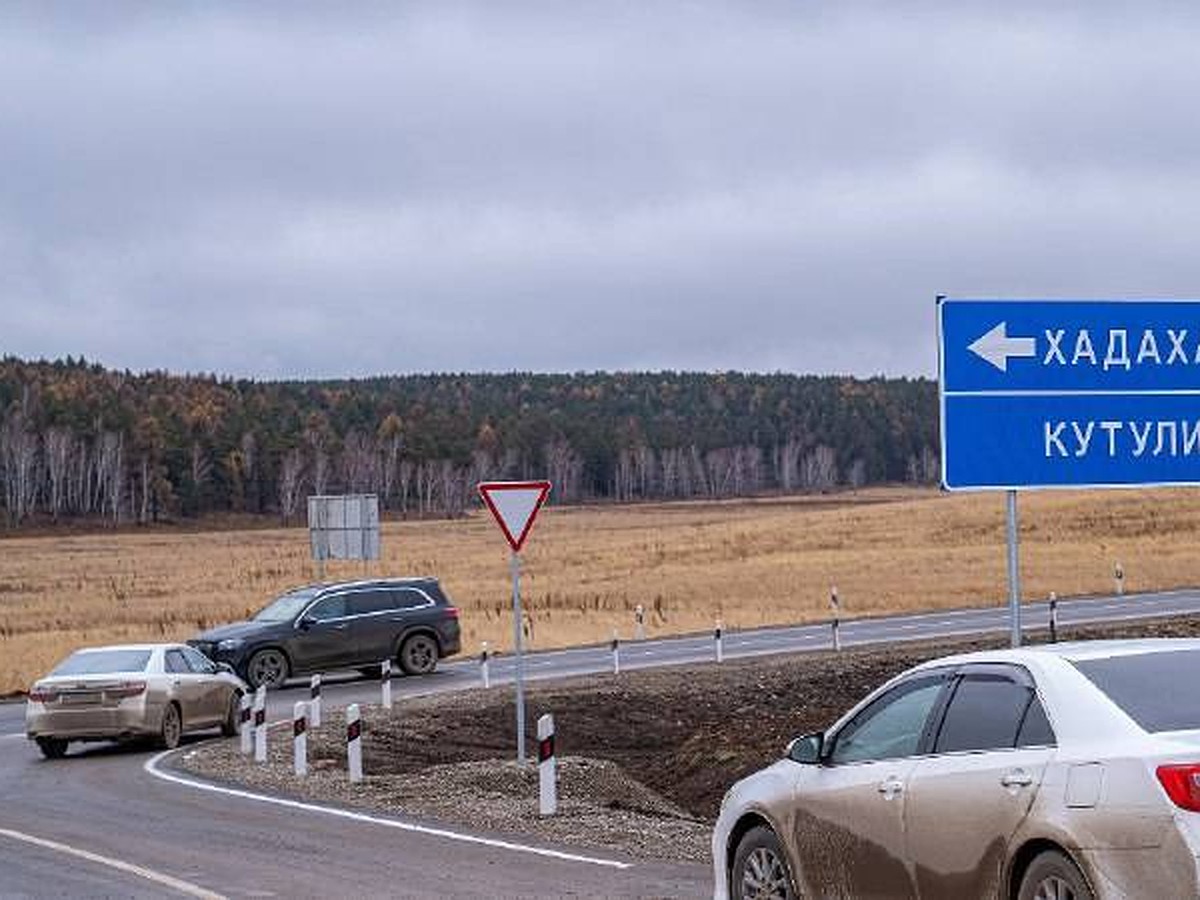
<point x="752" y="562"/>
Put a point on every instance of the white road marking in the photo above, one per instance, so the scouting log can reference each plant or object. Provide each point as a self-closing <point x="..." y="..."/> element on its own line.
<point x="175" y="884"/>
<point x="10" y="737"/>
<point x="151" y="767"/>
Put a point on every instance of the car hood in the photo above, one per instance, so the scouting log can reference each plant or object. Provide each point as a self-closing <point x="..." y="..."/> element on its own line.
<point x="238" y="630"/>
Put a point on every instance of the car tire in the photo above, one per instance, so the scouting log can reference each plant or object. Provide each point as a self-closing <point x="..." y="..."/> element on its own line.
<point x="170" y="730"/>
<point x="233" y="715"/>
<point x="418" y="655"/>
<point x="267" y="668"/>
<point x="1053" y="876"/>
<point x="52" y="747"/>
<point x="760" y="868"/>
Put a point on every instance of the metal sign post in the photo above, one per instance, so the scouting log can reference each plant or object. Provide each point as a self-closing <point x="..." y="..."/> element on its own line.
<point x="1014" y="573"/>
<point x="515" y="505"/>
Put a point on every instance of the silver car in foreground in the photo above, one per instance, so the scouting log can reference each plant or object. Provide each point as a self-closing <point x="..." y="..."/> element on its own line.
<point x="1058" y="772"/>
<point x="131" y="691"/>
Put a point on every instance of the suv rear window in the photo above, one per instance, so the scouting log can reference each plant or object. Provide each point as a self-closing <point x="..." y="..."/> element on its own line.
<point x="1150" y="687"/>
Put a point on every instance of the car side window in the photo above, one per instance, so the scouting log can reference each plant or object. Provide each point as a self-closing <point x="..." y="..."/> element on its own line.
<point x="364" y="602"/>
<point x="333" y="607"/>
<point x="410" y="598"/>
<point x="891" y="727"/>
<point x="1036" y="730"/>
<point x="987" y="712"/>
<point x="197" y="661"/>
<point x="175" y="663"/>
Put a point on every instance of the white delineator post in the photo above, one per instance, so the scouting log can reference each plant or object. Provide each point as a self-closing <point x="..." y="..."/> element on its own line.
<point x="314" y="704"/>
<point x="616" y="653"/>
<point x="639" y="623"/>
<point x="835" y="606"/>
<point x="260" y="725"/>
<point x="484" y="674"/>
<point x="300" y="738"/>
<point x="547" y="767"/>
<point x="1053" y="617"/>
<point x="247" y="738"/>
<point x="1119" y="579"/>
<point x="719" y="641"/>
<point x="354" y="742"/>
<point x="385" y="679"/>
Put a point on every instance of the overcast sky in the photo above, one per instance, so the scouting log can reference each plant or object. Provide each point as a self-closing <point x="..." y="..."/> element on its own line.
<point x="297" y="190"/>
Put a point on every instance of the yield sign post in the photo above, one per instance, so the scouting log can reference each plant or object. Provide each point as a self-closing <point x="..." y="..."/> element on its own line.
<point x="515" y="505"/>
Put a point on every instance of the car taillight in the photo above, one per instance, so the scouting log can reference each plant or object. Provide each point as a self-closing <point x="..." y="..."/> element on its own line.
<point x="1182" y="784"/>
<point x="452" y="612"/>
<point x="43" y="695"/>
<point x="127" y="689"/>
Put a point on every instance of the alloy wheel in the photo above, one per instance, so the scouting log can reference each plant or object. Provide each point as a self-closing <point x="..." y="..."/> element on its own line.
<point x="1053" y="888"/>
<point x="419" y="655"/>
<point x="172" y="727"/>
<point x="765" y="876"/>
<point x="267" y="668"/>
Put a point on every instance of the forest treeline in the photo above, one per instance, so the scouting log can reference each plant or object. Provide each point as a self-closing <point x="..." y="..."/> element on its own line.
<point x="79" y="440"/>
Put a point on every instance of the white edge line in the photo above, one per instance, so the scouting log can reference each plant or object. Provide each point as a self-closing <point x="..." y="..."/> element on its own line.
<point x="151" y="768"/>
<point x="183" y="887"/>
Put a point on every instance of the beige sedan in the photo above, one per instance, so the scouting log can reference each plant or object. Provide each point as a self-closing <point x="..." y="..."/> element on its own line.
<point x="131" y="691"/>
<point x="1060" y="772"/>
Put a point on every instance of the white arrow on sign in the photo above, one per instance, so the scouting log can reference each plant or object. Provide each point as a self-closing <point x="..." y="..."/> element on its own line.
<point x="515" y="505"/>
<point x="998" y="348"/>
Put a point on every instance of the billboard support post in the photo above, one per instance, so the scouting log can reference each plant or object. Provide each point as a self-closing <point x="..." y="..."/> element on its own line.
<point x="1014" y="572"/>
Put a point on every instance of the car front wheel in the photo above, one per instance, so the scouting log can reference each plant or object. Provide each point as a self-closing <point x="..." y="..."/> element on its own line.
<point x="1052" y="876"/>
<point x="52" y="747"/>
<point x="419" y="655"/>
<point x="760" y="868"/>
<point x="267" y="668"/>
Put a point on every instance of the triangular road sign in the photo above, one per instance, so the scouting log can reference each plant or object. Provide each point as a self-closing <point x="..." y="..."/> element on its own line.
<point x="515" y="505"/>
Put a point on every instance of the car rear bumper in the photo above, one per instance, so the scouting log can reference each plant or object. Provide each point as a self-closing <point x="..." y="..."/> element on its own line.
<point x="93" y="722"/>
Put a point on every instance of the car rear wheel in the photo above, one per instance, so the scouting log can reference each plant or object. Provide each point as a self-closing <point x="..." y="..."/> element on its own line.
<point x="1052" y="876"/>
<point x="419" y="655"/>
<point x="267" y="668"/>
<point x="171" y="728"/>
<point x="52" y="748"/>
<point x="760" y="869"/>
<point x="233" y="715"/>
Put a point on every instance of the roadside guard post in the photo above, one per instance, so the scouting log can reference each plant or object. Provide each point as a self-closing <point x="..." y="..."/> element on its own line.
<point x="300" y="738"/>
<point x="639" y="623"/>
<point x="484" y="674"/>
<point x="515" y="505"/>
<point x="547" y="767"/>
<point x="385" y="679"/>
<point x="247" y="738"/>
<point x="260" y="725"/>
<point x="835" y="605"/>
<point x="314" y="705"/>
<point x="1053" y="618"/>
<point x="719" y="641"/>
<point x="1039" y="393"/>
<point x="616" y="653"/>
<point x="1119" y="579"/>
<point x="354" y="742"/>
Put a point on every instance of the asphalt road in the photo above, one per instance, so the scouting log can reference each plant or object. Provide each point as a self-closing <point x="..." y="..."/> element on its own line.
<point x="100" y="823"/>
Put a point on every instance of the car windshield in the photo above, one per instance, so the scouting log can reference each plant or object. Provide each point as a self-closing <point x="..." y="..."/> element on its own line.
<point x="281" y="609"/>
<point x="103" y="662"/>
<point x="1147" y="687"/>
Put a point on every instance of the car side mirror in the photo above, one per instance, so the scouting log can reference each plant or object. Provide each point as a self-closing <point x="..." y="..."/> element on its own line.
<point x="306" y="622"/>
<point x="225" y="667"/>
<point x="807" y="749"/>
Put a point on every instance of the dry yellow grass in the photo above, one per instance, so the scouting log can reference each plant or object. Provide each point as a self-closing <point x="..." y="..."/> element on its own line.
<point x="755" y="563"/>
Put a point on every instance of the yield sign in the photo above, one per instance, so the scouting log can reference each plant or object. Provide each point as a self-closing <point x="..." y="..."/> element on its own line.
<point x="515" y="505"/>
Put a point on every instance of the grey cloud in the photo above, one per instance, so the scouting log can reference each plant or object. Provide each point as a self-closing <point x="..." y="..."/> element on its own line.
<point x="295" y="189"/>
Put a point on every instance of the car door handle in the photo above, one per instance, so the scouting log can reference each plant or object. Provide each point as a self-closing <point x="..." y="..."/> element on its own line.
<point x="890" y="787"/>
<point x="339" y="626"/>
<point x="1019" y="778"/>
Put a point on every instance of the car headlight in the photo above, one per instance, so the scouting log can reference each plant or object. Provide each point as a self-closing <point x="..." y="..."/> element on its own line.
<point x="230" y="644"/>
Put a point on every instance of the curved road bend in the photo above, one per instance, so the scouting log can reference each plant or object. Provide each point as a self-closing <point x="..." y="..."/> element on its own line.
<point x="100" y="824"/>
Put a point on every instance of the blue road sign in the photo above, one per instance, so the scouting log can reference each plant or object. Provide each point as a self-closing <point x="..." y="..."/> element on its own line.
<point x="1069" y="393"/>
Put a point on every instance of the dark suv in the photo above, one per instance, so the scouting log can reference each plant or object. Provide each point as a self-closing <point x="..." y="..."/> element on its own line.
<point x="353" y="625"/>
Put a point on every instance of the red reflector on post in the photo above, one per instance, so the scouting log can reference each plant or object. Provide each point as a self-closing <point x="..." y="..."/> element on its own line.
<point x="1182" y="784"/>
<point x="545" y="748"/>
